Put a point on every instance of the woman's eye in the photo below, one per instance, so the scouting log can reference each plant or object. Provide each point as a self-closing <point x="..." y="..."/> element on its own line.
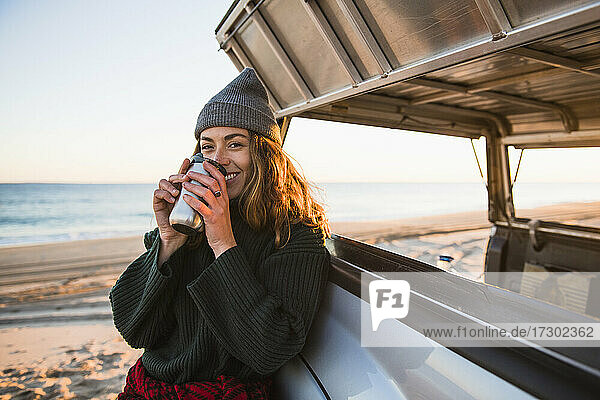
<point x="209" y="147"/>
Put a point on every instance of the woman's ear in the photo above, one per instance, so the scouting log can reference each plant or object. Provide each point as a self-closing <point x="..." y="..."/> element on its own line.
<point x="197" y="149"/>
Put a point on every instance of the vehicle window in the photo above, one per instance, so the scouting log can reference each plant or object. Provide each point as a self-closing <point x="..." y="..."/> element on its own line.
<point x="565" y="190"/>
<point x="417" y="194"/>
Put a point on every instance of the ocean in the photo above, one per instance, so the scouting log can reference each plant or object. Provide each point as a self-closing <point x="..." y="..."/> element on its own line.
<point x="40" y="213"/>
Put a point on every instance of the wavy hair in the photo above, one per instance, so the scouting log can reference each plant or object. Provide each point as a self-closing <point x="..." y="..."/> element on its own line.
<point x="277" y="195"/>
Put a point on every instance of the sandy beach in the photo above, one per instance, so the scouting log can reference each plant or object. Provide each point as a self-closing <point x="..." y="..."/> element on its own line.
<point x="56" y="332"/>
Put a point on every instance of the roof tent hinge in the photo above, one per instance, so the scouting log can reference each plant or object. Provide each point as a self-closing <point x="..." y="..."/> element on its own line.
<point x="495" y="18"/>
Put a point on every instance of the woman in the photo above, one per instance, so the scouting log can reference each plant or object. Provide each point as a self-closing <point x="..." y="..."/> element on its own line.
<point x="219" y="313"/>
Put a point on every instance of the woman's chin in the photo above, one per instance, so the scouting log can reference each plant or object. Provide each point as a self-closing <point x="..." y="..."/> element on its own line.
<point x="233" y="192"/>
<point x="233" y="189"/>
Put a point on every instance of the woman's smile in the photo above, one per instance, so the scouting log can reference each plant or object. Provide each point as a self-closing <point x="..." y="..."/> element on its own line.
<point x="231" y="176"/>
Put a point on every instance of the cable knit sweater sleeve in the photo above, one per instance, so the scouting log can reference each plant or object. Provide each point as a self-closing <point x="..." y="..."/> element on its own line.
<point x="142" y="296"/>
<point x="261" y="314"/>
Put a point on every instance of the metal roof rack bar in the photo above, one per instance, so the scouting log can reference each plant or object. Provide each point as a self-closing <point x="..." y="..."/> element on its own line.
<point x="568" y="119"/>
<point x="555" y="61"/>
<point x="364" y="33"/>
<point x="229" y="35"/>
<point x="499" y="123"/>
<point x="481" y="87"/>
<point x="230" y="10"/>
<point x="330" y="37"/>
<point x="584" y="136"/>
<point x="280" y="53"/>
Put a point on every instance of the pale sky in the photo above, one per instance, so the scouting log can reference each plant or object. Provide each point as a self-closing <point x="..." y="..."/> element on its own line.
<point x="109" y="92"/>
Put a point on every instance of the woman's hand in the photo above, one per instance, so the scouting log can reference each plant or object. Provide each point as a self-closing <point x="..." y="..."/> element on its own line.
<point x="217" y="221"/>
<point x="163" y="202"/>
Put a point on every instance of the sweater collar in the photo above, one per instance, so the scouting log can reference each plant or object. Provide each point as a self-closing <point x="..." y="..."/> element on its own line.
<point x="234" y="207"/>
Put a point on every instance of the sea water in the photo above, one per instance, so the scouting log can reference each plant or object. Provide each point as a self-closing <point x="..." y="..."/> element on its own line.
<point x="38" y="213"/>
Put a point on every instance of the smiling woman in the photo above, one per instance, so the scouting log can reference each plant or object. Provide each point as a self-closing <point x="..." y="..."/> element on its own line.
<point x="230" y="147"/>
<point x="218" y="314"/>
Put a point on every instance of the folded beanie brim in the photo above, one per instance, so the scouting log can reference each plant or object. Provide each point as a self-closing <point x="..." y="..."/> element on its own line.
<point x="238" y="116"/>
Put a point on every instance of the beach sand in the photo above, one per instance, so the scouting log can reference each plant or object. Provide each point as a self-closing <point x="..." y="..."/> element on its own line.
<point x="463" y="236"/>
<point x="57" y="339"/>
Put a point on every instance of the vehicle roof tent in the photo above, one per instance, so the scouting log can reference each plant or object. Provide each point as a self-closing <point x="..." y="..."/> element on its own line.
<point x="524" y="73"/>
<point x="519" y="72"/>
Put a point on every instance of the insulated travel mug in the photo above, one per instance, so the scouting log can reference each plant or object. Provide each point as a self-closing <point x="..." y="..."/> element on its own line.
<point x="184" y="218"/>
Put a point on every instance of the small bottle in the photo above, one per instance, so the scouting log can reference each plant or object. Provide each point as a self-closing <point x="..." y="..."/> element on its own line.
<point x="184" y="218"/>
<point x="445" y="262"/>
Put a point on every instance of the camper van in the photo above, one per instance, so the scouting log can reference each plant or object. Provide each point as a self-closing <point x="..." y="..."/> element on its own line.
<point x="519" y="74"/>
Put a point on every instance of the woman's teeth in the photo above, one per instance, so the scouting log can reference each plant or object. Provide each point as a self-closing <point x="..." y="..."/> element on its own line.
<point x="231" y="176"/>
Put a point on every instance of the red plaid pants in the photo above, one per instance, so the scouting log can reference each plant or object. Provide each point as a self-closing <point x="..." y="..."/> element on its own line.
<point x="140" y="385"/>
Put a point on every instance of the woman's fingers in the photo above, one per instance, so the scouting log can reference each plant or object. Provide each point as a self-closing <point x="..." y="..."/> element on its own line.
<point x="184" y="166"/>
<point x="178" y="179"/>
<point x="214" y="171"/>
<point x="197" y="205"/>
<point x="203" y="192"/>
<point x="206" y="180"/>
<point x="168" y="186"/>
<point x="164" y="195"/>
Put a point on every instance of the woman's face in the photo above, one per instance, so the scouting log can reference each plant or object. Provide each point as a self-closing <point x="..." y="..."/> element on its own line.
<point x="230" y="147"/>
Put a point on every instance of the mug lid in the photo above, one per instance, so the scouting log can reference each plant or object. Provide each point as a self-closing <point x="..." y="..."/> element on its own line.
<point x="199" y="158"/>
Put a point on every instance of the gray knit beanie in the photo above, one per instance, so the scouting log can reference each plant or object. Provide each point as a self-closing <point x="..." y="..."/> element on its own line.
<point x="243" y="103"/>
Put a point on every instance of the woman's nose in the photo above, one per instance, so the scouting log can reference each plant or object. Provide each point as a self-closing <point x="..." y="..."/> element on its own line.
<point x="221" y="157"/>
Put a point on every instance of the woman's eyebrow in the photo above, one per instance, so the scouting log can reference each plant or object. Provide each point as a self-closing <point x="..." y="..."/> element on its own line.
<point x="227" y="137"/>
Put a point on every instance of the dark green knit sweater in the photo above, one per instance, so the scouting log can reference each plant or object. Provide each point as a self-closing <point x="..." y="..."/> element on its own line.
<point x="243" y="314"/>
